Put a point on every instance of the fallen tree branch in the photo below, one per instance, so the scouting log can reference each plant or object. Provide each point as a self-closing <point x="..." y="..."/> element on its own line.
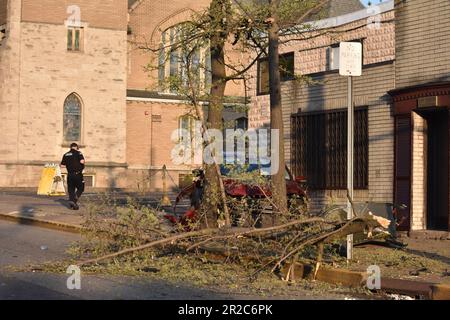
<point x="253" y="231"/>
<point x="354" y="225"/>
<point x="199" y="233"/>
<point x="149" y="245"/>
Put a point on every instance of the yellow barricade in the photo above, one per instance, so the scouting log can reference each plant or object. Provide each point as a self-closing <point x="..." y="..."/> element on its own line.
<point x="51" y="183"/>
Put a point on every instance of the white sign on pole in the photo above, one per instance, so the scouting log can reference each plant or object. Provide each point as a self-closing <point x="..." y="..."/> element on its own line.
<point x="350" y="59"/>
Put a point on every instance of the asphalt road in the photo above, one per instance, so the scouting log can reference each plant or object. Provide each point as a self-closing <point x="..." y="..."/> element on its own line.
<point x="22" y="245"/>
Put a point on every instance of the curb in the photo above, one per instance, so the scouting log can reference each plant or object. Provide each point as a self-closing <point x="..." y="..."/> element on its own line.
<point x="355" y="279"/>
<point x="60" y="226"/>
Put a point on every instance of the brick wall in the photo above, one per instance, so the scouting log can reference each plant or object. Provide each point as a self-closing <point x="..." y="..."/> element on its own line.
<point x="330" y="92"/>
<point x="419" y="177"/>
<point x="149" y="127"/>
<point x="311" y="58"/>
<point x="147" y="20"/>
<point x="370" y="90"/>
<point x="423" y="42"/>
<point x="149" y="146"/>
<point x="109" y="14"/>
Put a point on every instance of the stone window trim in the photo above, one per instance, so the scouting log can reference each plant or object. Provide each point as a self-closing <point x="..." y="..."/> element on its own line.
<point x="71" y="29"/>
<point x="188" y="122"/>
<point x="81" y="24"/>
<point x="67" y="145"/>
<point x="181" y="16"/>
<point x="75" y="39"/>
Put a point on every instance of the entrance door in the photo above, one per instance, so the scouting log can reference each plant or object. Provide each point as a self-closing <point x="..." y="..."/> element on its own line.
<point x="403" y="170"/>
<point x="437" y="170"/>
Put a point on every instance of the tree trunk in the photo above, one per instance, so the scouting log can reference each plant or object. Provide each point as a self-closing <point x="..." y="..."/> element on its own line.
<point x="214" y="186"/>
<point x="276" y="113"/>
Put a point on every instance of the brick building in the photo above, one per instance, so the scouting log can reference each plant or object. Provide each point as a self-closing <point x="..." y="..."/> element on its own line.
<point x="401" y="119"/>
<point x="420" y="110"/>
<point x="62" y="79"/>
<point x="152" y="113"/>
<point x="74" y="71"/>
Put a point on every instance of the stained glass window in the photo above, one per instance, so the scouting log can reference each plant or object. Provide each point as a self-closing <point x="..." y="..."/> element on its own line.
<point x="72" y="119"/>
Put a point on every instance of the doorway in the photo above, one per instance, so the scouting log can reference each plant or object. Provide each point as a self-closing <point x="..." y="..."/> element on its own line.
<point x="437" y="169"/>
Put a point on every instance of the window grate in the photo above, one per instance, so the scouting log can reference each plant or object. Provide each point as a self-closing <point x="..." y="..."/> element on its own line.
<point x="319" y="148"/>
<point x="89" y="180"/>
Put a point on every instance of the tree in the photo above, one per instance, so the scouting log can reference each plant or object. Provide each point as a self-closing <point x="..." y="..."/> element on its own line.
<point x="219" y="13"/>
<point x="276" y="111"/>
<point x="254" y="27"/>
<point x="284" y="18"/>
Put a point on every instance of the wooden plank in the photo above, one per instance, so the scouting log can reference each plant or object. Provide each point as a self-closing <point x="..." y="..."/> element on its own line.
<point x="440" y="292"/>
<point x="406" y="287"/>
<point x="347" y="278"/>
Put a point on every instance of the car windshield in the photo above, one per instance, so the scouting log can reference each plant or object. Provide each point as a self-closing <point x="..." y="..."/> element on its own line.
<point x="227" y="170"/>
<point x="233" y="170"/>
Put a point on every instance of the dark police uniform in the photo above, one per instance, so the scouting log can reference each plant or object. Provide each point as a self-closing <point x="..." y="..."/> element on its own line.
<point x="75" y="180"/>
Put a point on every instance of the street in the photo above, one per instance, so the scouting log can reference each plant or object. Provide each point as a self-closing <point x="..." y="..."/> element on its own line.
<point x="22" y="245"/>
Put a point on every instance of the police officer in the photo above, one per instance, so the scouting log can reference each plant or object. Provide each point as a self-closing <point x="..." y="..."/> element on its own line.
<point x="74" y="162"/>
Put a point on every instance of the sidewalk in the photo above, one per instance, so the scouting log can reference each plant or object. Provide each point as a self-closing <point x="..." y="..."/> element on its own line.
<point x="28" y="208"/>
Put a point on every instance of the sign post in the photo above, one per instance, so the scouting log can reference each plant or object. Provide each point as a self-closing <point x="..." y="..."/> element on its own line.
<point x="350" y="65"/>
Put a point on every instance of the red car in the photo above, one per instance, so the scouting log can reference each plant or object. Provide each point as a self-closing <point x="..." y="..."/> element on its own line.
<point x="239" y="187"/>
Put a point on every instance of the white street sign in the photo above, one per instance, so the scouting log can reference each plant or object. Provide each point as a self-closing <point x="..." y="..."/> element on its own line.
<point x="350" y="59"/>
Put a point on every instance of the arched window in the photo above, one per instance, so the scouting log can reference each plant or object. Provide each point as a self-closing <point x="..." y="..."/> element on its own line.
<point x="174" y="57"/>
<point x="72" y="118"/>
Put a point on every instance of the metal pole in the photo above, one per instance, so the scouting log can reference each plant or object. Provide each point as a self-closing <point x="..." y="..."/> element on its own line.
<point x="165" y="200"/>
<point x="350" y="147"/>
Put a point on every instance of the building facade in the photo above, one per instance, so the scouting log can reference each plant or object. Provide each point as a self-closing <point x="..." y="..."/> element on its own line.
<point x="421" y="99"/>
<point x="77" y="71"/>
<point x="401" y="118"/>
<point x="315" y="115"/>
<point x="63" y="75"/>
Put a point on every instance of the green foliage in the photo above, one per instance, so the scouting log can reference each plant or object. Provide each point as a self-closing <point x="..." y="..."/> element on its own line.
<point x="110" y="227"/>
